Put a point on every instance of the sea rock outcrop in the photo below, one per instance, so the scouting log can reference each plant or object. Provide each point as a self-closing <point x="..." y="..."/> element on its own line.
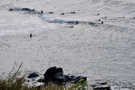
<point x="56" y="75"/>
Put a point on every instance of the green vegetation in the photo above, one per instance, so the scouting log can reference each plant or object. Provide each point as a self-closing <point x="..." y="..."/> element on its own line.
<point x="14" y="83"/>
<point x="18" y="85"/>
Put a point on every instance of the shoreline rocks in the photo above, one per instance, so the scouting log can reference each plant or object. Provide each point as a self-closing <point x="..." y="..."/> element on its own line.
<point x="56" y="75"/>
<point x="28" y="10"/>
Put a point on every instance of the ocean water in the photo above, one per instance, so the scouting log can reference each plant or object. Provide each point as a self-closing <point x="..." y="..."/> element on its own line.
<point x="104" y="51"/>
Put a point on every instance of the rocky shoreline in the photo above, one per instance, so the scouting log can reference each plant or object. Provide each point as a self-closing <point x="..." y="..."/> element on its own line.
<point x="56" y="75"/>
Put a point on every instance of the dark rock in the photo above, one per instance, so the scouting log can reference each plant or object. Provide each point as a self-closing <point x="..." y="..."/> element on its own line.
<point x="102" y="22"/>
<point x="71" y="26"/>
<point x="56" y="75"/>
<point x="62" y="14"/>
<point x="101" y="86"/>
<point x="98" y="14"/>
<point x="33" y="75"/>
<point x="99" y="19"/>
<point x="103" y="83"/>
<point x="91" y="23"/>
<point x="51" y="12"/>
<point x="74" y="79"/>
<point x="73" y="12"/>
<point x="42" y="12"/>
<point x="72" y="22"/>
<point x="11" y="9"/>
<point x="22" y="9"/>
<point x="27" y="9"/>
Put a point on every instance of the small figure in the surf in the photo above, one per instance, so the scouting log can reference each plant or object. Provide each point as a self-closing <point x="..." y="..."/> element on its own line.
<point x="31" y="35"/>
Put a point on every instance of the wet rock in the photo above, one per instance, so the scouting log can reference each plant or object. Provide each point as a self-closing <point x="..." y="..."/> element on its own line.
<point x="74" y="79"/>
<point x="22" y="9"/>
<point x="92" y="23"/>
<point x="41" y="11"/>
<point x="98" y="14"/>
<point x="33" y="75"/>
<point x="102" y="22"/>
<point x="51" y="12"/>
<point x="62" y="14"/>
<point x="27" y="10"/>
<point x="11" y="9"/>
<point x="73" y="12"/>
<point x="71" y="26"/>
<point x="56" y="75"/>
<point x="99" y="20"/>
<point x="73" y="22"/>
<point x="101" y="86"/>
<point x="133" y="17"/>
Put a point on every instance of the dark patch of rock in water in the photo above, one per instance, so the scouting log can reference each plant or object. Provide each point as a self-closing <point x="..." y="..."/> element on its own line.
<point x="51" y="12"/>
<point x="98" y="14"/>
<point x="101" y="86"/>
<point x="74" y="79"/>
<point x="21" y="9"/>
<point x="53" y="20"/>
<point x="73" y="22"/>
<point x="62" y="14"/>
<point x="33" y="75"/>
<point x="71" y="26"/>
<point x="28" y="10"/>
<point x="55" y="75"/>
<point x="73" y="12"/>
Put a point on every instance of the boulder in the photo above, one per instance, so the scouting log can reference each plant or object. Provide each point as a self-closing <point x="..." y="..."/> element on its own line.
<point x="33" y="75"/>
<point x="56" y="75"/>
